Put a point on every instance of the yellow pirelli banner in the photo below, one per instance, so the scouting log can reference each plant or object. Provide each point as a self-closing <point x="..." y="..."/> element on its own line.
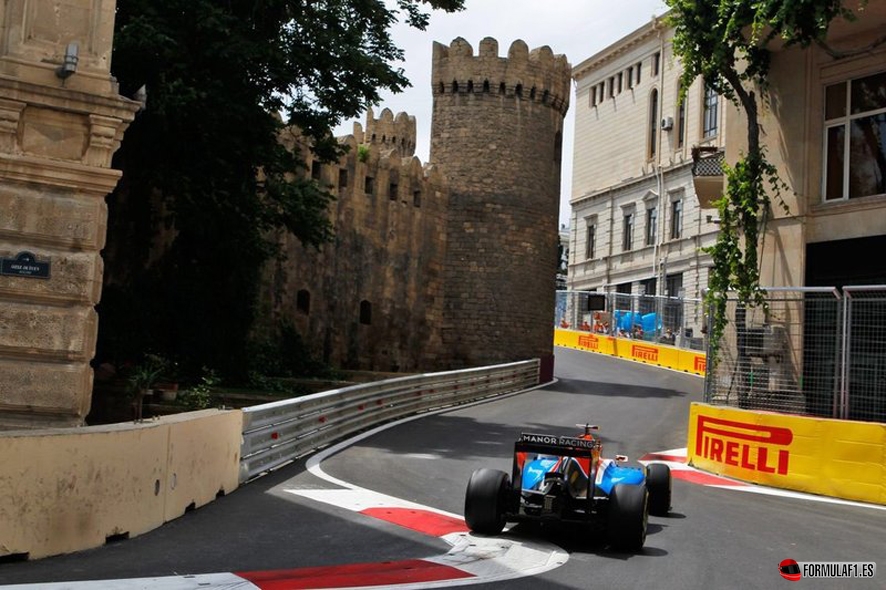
<point x="835" y="458"/>
<point x="660" y="355"/>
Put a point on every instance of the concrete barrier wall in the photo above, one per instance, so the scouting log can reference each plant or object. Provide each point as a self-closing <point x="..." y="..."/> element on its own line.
<point x="64" y="490"/>
<point x="836" y="458"/>
<point x="680" y="359"/>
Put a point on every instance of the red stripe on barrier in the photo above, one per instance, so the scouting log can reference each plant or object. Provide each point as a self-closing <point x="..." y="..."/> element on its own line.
<point x="704" y="478"/>
<point x="354" y="575"/>
<point x="423" y="521"/>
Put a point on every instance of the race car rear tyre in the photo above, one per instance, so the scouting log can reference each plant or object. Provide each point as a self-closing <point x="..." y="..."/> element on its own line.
<point x="485" y="501"/>
<point x="628" y="516"/>
<point x="658" y="482"/>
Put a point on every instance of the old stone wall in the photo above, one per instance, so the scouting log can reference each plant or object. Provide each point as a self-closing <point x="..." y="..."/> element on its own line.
<point x="372" y="299"/>
<point x="446" y="265"/>
<point x="497" y="138"/>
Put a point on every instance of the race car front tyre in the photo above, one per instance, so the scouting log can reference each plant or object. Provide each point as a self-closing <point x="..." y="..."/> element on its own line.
<point x="485" y="501"/>
<point x="658" y="482"/>
<point x="628" y="516"/>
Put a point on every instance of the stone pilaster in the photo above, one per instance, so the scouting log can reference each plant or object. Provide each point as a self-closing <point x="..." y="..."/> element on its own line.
<point x="57" y="137"/>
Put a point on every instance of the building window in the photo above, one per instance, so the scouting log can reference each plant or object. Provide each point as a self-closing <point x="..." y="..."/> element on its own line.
<point x="316" y="170"/>
<point x="303" y="301"/>
<point x="651" y="225"/>
<point x="630" y="77"/>
<point x="612" y="87"/>
<point x="709" y="122"/>
<point x="681" y="118"/>
<point x="590" y="242"/>
<point x="639" y="67"/>
<point x="365" y="313"/>
<point x="647" y="299"/>
<point x="593" y="95"/>
<point x="601" y="91"/>
<point x="676" y="219"/>
<point x="656" y="62"/>
<point x="620" y="76"/>
<point x="622" y="298"/>
<point x="392" y="191"/>
<point x="627" y="241"/>
<point x="653" y="124"/>
<point x="342" y="178"/>
<point x="416" y="198"/>
<point x="369" y="186"/>
<point x="855" y="138"/>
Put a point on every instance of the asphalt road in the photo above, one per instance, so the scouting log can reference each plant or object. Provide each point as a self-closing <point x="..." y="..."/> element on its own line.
<point x="714" y="538"/>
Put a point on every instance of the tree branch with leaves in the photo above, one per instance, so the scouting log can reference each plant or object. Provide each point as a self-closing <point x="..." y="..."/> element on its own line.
<point x="728" y="44"/>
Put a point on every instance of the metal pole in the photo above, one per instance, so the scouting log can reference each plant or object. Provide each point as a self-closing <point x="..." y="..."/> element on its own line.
<point x="844" y="357"/>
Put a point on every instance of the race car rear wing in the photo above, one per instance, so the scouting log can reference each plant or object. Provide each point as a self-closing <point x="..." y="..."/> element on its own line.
<point x="550" y="444"/>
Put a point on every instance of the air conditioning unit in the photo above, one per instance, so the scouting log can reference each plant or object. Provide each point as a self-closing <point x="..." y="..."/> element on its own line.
<point x="667" y="123"/>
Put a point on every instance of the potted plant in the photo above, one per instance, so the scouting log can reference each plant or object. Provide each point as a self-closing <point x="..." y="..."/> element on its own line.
<point x="167" y="382"/>
<point x="142" y="379"/>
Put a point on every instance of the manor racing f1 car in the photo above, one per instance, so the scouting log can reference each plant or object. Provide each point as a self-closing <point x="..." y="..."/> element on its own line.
<point x="565" y="479"/>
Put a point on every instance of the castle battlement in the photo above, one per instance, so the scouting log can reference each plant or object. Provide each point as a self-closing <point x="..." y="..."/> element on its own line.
<point x="536" y="75"/>
<point x="388" y="131"/>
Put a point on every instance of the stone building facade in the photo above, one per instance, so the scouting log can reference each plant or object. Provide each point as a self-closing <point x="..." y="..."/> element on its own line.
<point x="637" y="224"/>
<point x="443" y="265"/>
<point x="61" y="119"/>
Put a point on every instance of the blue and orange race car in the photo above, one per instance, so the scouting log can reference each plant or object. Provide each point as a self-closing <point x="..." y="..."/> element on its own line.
<point x="565" y="479"/>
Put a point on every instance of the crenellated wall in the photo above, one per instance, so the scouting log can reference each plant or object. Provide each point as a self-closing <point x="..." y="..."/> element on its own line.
<point x="440" y="266"/>
<point x="388" y="131"/>
<point x="372" y="299"/>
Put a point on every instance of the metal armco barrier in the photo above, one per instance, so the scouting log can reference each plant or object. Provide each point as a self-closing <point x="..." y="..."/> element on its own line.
<point x="279" y="432"/>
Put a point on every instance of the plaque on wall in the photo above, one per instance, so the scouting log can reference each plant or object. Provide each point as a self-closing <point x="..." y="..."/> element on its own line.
<point x="25" y="264"/>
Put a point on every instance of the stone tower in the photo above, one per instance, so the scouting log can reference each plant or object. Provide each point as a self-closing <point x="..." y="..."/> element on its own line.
<point x="496" y="136"/>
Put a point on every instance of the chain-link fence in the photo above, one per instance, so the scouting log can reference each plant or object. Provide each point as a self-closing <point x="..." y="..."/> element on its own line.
<point x="662" y="320"/>
<point x="811" y="351"/>
<point x="863" y="364"/>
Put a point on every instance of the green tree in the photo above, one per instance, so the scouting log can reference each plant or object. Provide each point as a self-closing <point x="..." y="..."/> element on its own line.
<point x="222" y="79"/>
<point x="727" y="43"/>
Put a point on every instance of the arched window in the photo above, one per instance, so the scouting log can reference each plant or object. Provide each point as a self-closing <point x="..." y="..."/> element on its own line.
<point x="519" y="91"/>
<point x="653" y="124"/>
<point x="454" y="86"/>
<point x="442" y="88"/>
<point x="501" y="88"/>
<point x="532" y="93"/>
<point x="365" y="313"/>
<point x="486" y="86"/>
<point x="470" y="86"/>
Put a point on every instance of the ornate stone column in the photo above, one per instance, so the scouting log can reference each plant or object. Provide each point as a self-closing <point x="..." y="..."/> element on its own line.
<point x="61" y="119"/>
